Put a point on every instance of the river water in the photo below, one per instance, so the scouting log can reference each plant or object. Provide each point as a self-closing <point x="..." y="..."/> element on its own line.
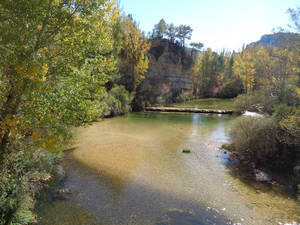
<point x="131" y="170"/>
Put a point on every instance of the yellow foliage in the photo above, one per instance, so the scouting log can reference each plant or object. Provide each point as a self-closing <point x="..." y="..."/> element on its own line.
<point x="135" y="47"/>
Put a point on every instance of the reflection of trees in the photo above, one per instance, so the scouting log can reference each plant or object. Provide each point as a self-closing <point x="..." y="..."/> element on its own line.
<point x="205" y="125"/>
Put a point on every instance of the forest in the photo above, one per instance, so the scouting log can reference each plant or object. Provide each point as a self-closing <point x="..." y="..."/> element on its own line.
<point x="66" y="64"/>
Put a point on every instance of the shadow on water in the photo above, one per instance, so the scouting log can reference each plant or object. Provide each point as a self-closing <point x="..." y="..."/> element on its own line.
<point x="96" y="200"/>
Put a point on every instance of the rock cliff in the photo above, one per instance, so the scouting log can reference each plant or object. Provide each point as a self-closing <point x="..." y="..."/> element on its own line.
<point x="279" y="40"/>
<point x="170" y="70"/>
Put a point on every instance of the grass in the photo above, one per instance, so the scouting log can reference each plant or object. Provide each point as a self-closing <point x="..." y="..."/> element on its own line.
<point x="207" y="103"/>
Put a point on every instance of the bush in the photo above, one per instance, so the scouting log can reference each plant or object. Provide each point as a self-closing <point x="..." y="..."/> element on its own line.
<point x="231" y="89"/>
<point x="282" y="111"/>
<point x="117" y="101"/>
<point x="290" y="95"/>
<point x="257" y="102"/>
<point x="291" y="129"/>
<point x="164" y="99"/>
<point x="182" y="97"/>
<point x="254" y="139"/>
<point x="23" y="174"/>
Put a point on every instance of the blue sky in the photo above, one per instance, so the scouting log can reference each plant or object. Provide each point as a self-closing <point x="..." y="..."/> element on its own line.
<point x="218" y="24"/>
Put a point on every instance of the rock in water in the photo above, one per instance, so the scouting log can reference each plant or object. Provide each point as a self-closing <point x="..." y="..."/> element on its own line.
<point x="186" y="150"/>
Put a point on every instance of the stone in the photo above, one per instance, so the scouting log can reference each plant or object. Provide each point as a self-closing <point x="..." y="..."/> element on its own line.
<point x="261" y="176"/>
<point x="63" y="194"/>
<point x="186" y="150"/>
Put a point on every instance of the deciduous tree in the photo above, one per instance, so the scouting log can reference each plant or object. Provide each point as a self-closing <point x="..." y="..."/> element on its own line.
<point x="55" y="59"/>
<point x="134" y="60"/>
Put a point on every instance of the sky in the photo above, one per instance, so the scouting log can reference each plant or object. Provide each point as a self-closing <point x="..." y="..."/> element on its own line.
<point x="219" y="24"/>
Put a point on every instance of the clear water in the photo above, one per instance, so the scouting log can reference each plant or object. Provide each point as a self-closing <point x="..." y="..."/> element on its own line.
<point x="131" y="170"/>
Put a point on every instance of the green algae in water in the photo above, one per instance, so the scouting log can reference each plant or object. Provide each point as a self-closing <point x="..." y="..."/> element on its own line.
<point x="66" y="213"/>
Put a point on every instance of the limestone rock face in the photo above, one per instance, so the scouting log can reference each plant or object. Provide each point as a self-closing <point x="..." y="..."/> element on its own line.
<point x="170" y="69"/>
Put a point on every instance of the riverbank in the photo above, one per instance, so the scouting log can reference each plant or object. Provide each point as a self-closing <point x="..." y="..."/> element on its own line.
<point x="207" y="103"/>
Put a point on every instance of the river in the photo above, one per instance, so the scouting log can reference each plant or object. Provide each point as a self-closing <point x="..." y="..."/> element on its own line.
<point x="131" y="170"/>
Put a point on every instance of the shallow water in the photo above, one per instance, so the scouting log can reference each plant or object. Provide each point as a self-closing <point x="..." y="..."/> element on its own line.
<point x="131" y="170"/>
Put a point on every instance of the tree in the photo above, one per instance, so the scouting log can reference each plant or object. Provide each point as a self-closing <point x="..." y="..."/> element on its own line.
<point x="184" y="32"/>
<point x="171" y="32"/>
<point x="295" y="18"/>
<point x="134" y="60"/>
<point x="56" y="57"/>
<point x="295" y="47"/>
<point x="207" y="70"/>
<point x="197" y="45"/>
<point x="159" y="29"/>
<point x="244" y="68"/>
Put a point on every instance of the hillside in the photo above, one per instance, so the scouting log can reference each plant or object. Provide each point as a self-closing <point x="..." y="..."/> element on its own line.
<point x="278" y="40"/>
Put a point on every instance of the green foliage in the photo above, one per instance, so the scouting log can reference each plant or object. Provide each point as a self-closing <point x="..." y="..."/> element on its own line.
<point x="182" y="97"/>
<point x="290" y="124"/>
<point x="211" y="71"/>
<point x="273" y="141"/>
<point x="134" y="62"/>
<point x="184" y="32"/>
<point x="256" y="102"/>
<point x="56" y="57"/>
<point x="173" y="33"/>
<point x="197" y="45"/>
<point x="164" y="99"/>
<point x="55" y="61"/>
<point x="231" y="88"/>
<point x="159" y="29"/>
<point x="282" y="111"/>
<point x="23" y="173"/>
<point x="117" y="101"/>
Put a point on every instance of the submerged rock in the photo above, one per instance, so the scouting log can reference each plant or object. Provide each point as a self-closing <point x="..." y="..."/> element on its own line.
<point x="186" y="150"/>
<point x="63" y="194"/>
<point x="261" y="176"/>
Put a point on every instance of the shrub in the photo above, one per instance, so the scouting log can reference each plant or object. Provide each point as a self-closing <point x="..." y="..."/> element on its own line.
<point x="23" y="174"/>
<point x="289" y="95"/>
<point x="164" y="99"/>
<point x="291" y="129"/>
<point x="117" y="101"/>
<point x="231" y="89"/>
<point x="257" y="102"/>
<point x="282" y="111"/>
<point x="255" y="139"/>
<point x="182" y="97"/>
